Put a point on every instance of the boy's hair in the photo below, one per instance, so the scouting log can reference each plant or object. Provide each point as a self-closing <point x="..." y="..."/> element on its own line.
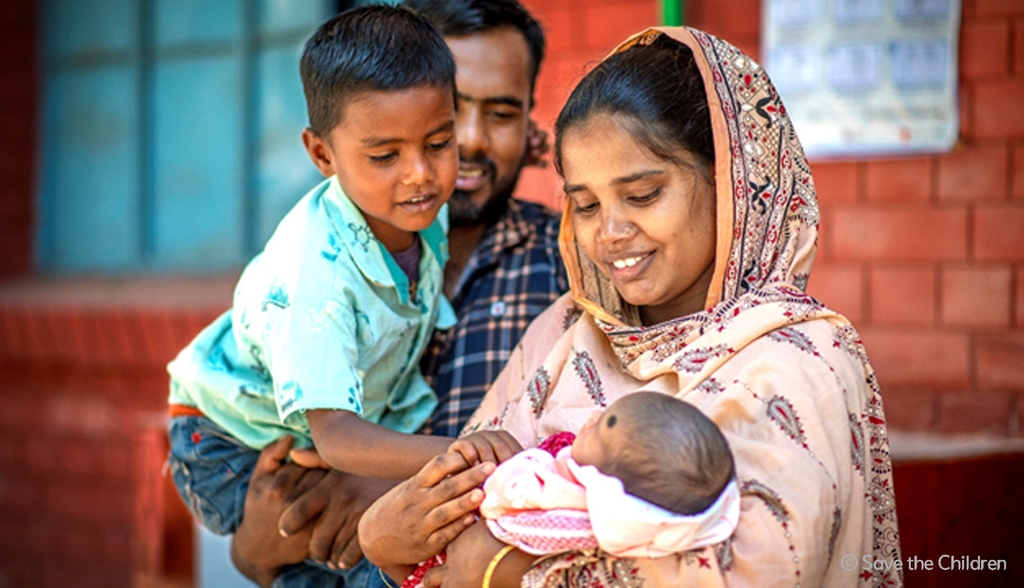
<point x="457" y="18"/>
<point x="366" y="49"/>
<point x="675" y="457"/>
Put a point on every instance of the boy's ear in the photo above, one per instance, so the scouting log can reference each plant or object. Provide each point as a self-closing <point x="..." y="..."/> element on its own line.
<point x="319" y="152"/>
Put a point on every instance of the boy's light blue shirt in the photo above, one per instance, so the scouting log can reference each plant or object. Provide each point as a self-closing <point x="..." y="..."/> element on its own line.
<point x="322" y="319"/>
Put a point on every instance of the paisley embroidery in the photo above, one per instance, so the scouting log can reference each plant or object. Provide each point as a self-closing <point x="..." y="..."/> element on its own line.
<point x="538" y="388"/>
<point x="710" y="386"/>
<point x="856" y="443"/>
<point x="587" y="371"/>
<point x="773" y="502"/>
<point x="882" y="498"/>
<point x="767" y="495"/>
<point x="847" y="339"/>
<point x="693" y="361"/>
<point x="795" y="337"/>
<point x="782" y="412"/>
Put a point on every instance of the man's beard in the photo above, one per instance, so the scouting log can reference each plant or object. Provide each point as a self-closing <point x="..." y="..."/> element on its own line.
<point x="463" y="212"/>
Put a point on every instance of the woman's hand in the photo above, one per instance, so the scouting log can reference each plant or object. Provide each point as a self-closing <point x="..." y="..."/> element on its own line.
<point x="418" y="518"/>
<point x="467" y="558"/>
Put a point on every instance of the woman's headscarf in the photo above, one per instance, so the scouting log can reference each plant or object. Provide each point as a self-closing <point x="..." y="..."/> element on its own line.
<point x="786" y="379"/>
<point x="766" y="209"/>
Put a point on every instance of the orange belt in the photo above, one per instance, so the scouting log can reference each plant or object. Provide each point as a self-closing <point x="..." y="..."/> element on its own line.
<point x="180" y="410"/>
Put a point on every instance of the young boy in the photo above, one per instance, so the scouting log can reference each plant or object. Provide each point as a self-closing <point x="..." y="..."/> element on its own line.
<point x="330" y="320"/>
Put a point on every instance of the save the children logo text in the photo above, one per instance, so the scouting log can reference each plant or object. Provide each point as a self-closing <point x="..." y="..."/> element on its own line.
<point x="870" y="563"/>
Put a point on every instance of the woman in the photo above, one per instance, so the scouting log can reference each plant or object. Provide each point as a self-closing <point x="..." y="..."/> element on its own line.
<point x="689" y="231"/>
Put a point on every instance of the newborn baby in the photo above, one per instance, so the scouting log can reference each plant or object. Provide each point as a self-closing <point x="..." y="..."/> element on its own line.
<point x="648" y="477"/>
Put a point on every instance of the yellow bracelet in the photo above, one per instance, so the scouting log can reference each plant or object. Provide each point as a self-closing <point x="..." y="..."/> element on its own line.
<point x="385" y="578"/>
<point x="494" y="564"/>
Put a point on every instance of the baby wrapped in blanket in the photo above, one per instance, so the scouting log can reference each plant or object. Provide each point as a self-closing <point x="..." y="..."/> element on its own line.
<point x="648" y="477"/>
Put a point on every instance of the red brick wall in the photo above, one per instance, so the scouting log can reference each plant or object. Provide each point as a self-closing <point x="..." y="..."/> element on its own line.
<point x="926" y="254"/>
<point x="579" y="34"/>
<point x="18" y="102"/>
<point x="83" y="439"/>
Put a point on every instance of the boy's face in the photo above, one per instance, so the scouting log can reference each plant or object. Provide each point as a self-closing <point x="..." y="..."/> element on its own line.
<point x="600" y="438"/>
<point x="395" y="156"/>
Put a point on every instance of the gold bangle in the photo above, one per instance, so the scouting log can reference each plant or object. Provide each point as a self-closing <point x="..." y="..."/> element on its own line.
<point x="385" y="578"/>
<point x="494" y="564"/>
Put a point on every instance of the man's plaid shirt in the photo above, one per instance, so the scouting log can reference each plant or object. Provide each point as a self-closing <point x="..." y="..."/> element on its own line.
<point x="514" y="274"/>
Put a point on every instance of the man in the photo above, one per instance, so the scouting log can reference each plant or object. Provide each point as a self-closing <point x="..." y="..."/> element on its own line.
<point x="504" y="269"/>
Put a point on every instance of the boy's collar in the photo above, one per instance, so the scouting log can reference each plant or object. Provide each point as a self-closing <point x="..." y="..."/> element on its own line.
<point x="368" y="253"/>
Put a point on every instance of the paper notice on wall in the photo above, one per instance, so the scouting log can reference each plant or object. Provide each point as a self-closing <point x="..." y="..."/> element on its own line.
<point x="866" y="77"/>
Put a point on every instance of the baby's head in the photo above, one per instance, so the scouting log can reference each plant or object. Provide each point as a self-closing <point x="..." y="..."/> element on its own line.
<point x="380" y="93"/>
<point x="663" y="449"/>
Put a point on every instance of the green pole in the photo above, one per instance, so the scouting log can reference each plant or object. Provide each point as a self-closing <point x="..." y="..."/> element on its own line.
<point x="673" y="12"/>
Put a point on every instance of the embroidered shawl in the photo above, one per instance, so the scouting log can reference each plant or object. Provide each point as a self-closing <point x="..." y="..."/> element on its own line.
<point x="785" y="378"/>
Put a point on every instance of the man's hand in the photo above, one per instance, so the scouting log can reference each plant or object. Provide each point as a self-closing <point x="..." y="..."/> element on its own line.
<point x="334" y="507"/>
<point x="492" y="446"/>
<point x="293" y="513"/>
<point x="257" y="549"/>
<point x="420" y="516"/>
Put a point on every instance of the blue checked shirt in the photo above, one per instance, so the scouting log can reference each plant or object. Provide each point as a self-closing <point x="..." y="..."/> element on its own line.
<point x="515" y="273"/>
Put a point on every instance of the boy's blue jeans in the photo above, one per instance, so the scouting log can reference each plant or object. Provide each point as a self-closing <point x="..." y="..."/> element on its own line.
<point x="212" y="469"/>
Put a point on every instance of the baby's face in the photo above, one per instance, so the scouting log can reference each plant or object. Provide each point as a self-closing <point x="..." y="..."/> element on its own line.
<point x="601" y="437"/>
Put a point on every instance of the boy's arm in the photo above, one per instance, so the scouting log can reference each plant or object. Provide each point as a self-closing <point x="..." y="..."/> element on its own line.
<point x="350" y="444"/>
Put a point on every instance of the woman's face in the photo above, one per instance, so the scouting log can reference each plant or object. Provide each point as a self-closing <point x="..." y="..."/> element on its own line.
<point x="648" y="223"/>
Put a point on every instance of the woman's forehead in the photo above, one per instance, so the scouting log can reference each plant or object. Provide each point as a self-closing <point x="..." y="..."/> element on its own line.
<point x="602" y="153"/>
